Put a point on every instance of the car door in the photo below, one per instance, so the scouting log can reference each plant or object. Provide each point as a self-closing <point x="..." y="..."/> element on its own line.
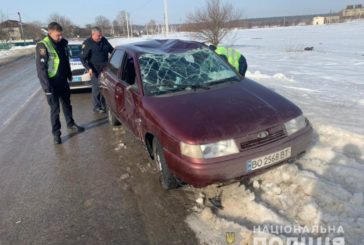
<point x="131" y="95"/>
<point x="111" y="80"/>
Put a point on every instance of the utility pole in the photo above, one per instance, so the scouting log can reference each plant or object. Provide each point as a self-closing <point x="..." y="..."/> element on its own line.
<point x="21" y="27"/>
<point x="127" y="23"/>
<point x="166" y="16"/>
<point x="131" y="27"/>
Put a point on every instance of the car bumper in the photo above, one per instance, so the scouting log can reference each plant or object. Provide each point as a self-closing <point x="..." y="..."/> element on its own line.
<point x="80" y="85"/>
<point x="233" y="167"/>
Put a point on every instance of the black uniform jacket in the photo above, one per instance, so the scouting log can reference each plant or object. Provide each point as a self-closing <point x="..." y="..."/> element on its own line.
<point x="95" y="55"/>
<point x="49" y="85"/>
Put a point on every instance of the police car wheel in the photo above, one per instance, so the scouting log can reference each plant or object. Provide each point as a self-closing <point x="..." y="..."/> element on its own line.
<point x="167" y="180"/>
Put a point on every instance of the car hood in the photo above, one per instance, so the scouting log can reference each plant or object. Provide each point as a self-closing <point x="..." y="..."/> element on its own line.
<point x="223" y="112"/>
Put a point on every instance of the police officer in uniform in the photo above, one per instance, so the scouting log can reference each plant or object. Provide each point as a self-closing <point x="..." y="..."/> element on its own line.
<point x="94" y="56"/>
<point x="233" y="57"/>
<point x="53" y="70"/>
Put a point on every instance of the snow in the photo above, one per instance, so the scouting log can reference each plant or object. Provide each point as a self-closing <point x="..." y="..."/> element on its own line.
<point x="16" y="51"/>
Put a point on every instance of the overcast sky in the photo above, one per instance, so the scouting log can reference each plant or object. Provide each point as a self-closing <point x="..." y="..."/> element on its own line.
<point x="84" y="12"/>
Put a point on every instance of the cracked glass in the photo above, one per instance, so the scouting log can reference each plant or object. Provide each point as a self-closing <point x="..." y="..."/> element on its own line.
<point x="188" y="71"/>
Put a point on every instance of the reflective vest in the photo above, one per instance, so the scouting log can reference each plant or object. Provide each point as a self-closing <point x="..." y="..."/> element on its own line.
<point x="232" y="56"/>
<point x="53" y="59"/>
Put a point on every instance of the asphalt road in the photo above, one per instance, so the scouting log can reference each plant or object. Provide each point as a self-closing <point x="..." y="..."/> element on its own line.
<point x="98" y="187"/>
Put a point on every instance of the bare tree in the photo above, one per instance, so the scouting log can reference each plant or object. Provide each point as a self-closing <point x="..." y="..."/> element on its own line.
<point x="118" y="30"/>
<point x="213" y="22"/>
<point x="68" y="27"/>
<point x="121" y="21"/>
<point x="104" y="24"/>
<point x="33" y="30"/>
<point x="3" y="34"/>
<point x="151" y="27"/>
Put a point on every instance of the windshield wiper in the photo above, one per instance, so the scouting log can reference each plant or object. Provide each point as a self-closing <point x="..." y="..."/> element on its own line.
<point x="230" y="79"/>
<point x="193" y="86"/>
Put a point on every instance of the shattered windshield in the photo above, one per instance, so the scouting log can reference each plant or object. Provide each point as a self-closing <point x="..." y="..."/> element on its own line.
<point x="195" y="69"/>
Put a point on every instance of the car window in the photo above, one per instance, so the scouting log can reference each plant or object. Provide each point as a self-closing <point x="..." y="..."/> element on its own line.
<point x="128" y="72"/>
<point x="75" y="51"/>
<point x="168" y="73"/>
<point x="115" y="61"/>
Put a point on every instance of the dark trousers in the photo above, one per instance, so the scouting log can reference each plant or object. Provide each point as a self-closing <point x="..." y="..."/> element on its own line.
<point x="60" y="95"/>
<point x="98" y="100"/>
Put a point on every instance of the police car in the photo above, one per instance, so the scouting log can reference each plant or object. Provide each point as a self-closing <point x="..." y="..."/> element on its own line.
<point x="80" y="77"/>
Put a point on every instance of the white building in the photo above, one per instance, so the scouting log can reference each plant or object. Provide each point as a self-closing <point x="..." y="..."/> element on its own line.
<point x="318" y="20"/>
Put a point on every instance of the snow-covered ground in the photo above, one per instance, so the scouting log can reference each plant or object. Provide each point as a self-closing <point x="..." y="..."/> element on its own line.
<point x="14" y="52"/>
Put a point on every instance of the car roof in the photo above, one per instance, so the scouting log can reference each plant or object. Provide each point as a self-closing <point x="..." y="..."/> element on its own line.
<point x="164" y="46"/>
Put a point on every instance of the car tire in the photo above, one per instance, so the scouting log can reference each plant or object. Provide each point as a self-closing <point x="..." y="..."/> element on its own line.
<point x="113" y="121"/>
<point x="167" y="180"/>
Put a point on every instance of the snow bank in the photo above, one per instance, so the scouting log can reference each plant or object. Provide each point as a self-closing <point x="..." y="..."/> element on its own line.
<point x="16" y="52"/>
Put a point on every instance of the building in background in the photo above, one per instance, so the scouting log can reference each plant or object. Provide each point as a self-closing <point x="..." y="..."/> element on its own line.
<point x="11" y="28"/>
<point x="353" y="12"/>
<point x="322" y="20"/>
<point x="318" y="20"/>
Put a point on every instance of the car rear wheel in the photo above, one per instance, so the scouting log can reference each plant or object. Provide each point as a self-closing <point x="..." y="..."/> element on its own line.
<point x="167" y="180"/>
<point x="112" y="119"/>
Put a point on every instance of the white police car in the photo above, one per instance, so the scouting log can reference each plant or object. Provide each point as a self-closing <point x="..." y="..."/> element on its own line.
<point x="80" y="77"/>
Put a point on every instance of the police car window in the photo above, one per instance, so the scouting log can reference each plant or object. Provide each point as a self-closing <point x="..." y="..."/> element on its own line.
<point x="75" y="51"/>
<point x="116" y="60"/>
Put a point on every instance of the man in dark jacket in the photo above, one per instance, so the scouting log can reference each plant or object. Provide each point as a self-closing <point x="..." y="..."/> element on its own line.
<point x="94" y="56"/>
<point x="53" y="70"/>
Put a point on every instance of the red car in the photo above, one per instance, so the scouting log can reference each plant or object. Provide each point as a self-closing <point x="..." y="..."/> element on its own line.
<point x="200" y="120"/>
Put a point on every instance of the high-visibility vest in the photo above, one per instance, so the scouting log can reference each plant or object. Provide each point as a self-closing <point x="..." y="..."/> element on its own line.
<point x="232" y="56"/>
<point x="53" y="59"/>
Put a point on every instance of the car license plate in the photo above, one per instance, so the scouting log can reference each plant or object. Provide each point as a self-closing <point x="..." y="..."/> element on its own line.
<point x="76" y="79"/>
<point x="269" y="159"/>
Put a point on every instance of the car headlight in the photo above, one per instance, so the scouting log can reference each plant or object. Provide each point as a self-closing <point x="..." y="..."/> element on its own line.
<point x="218" y="149"/>
<point x="295" y="125"/>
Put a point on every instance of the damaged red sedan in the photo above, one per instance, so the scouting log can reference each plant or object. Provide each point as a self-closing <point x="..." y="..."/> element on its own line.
<point x="200" y="120"/>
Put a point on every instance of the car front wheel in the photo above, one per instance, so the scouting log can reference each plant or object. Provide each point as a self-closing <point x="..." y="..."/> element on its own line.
<point x="167" y="180"/>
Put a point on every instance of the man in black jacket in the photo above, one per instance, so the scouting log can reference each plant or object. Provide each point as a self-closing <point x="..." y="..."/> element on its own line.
<point x="53" y="70"/>
<point x="94" y="56"/>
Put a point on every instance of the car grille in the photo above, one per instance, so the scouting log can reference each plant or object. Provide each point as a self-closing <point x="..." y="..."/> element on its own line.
<point x="78" y="72"/>
<point x="252" y="141"/>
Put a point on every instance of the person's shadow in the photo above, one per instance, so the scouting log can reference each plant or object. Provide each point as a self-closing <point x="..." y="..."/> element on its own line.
<point x="90" y="125"/>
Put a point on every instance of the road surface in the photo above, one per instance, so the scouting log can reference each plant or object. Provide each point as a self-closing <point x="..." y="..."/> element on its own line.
<point x="98" y="187"/>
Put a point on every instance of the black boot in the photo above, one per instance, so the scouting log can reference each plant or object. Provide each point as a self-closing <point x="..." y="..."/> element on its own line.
<point x="57" y="139"/>
<point x="76" y="129"/>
